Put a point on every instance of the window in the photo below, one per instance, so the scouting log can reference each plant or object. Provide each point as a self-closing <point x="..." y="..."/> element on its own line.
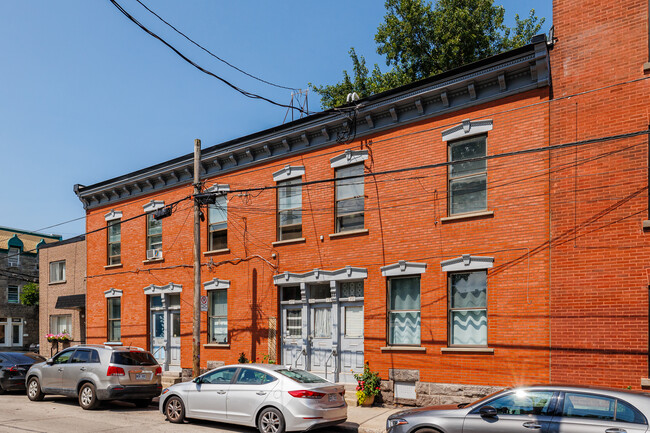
<point x="84" y="356"/>
<point x="293" y="323"/>
<point x="322" y="322"/>
<point x="523" y="403"/>
<point x="61" y="324"/>
<point x="154" y="233"/>
<point x="404" y="311"/>
<point x="218" y="224"/>
<point x="114" y="319"/>
<point x="57" y="272"/>
<point x="467" y="180"/>
<point x="13" y="256"/>
<point x="468" y="308"/>
<point x="63" y="357"/>
<point x="349" y="198"/>
<point x="218" y="316"/>
<point x="114" y="242"/>
<point x="289" y="209"/>
<point x="223" y="375"/>
<point x="248" y="376"/>
<point x="13" y="295"/>
<point x="291" y="293"/>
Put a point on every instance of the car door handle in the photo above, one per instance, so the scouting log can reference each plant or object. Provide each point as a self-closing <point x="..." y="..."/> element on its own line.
<point x="60" y="369"/>
<point x="83" y="369"/>
<point x="615" y="430"/>
<point x="221" y="392"/>
<point x="532" y="425"/>
<point x="261" y="393"/>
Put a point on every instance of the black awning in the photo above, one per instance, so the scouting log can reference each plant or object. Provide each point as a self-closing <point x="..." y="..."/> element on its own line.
<point x="71" y="301"/>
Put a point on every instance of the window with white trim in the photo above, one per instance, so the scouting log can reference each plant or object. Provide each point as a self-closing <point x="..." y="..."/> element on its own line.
<point x="468" y="308"/>
<point x="218" y="316"/>
<point x="218" y="224"/>
<point x="114" y="242"/>
<point x="154" y="233"/>
<point x="60" y="324"/>
<point x="467" y="179"/>
<point x="290" y="209"/>
<point x="57" y="271"/>
<point x="404" y="311"/>
<point x="349" y="198"/>
<point x="114" y="318"/>
<point x="13" y="256"/>
<point x="13" y="295"/>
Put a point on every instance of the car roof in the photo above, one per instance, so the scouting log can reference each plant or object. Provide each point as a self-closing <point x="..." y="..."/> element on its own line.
<point x="269" y="367"/>
<point x="110" y="347"/>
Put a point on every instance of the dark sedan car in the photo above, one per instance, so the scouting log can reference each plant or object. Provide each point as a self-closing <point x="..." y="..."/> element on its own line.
<point x="13" y="366"/>
<point x="542" y="408"/>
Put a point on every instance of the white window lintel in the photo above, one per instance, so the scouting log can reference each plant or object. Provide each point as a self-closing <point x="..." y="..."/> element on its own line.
<point x="289" y="172"/>
<point x="113" y="215"/>
<point x="169" y="288"/>
<point x="349" y="157"/>
<point x="467" y="262"/>
<point x="113" y="293"/>
<point x="467" y="128"/>
<point x="218" y="188"/>
<point x="347" y="273"/>
<point x="216" y="284"/>
<point x="153" y="205"/>
<point x="403" y="268"/>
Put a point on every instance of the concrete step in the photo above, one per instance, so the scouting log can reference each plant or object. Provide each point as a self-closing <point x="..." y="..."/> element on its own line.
<point x="169" y="378"/>
<point x="350" y="393"/>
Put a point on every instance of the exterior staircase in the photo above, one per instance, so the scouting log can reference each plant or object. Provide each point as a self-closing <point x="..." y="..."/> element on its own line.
<point x="170" y="377"/>
<point x="350" y="393"/>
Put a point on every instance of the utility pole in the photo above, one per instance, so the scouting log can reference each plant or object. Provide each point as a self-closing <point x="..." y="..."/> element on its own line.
<point x="196" y="328"/>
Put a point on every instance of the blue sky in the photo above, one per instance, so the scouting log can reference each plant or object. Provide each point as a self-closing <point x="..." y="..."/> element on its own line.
<point x="85" y="95"/>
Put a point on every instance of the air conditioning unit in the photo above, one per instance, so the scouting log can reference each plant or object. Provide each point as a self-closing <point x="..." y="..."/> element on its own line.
<point x="154" y="254"/>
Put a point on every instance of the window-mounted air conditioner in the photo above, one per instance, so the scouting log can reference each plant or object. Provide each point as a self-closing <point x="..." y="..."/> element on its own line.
<point x="154" y="254"/>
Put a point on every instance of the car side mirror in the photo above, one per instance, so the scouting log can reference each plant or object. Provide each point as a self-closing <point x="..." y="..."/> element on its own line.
<point x="49" y="361"/>
<point x="197" y="380"/>
<point x="487" y="412"/>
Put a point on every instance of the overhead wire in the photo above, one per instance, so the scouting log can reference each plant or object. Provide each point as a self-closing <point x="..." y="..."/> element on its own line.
<point x="200" y="68"/>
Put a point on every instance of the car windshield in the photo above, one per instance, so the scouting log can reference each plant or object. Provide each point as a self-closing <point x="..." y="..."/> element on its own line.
<point x="133" y="358"/>
<point x="301" y="376"/>
<point x="23" y="358"/>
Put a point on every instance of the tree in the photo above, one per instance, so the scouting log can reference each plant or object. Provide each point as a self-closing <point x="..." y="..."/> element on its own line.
<point x="29" y="294"/>
<point x="420" y="40"/>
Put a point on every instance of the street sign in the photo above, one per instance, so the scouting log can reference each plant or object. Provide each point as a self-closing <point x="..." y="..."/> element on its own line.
<point x="204" y="303"/>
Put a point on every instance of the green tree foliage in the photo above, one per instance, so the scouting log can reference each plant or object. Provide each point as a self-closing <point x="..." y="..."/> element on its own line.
<point x="29" y="294"/>
<point x="420" y="40"/>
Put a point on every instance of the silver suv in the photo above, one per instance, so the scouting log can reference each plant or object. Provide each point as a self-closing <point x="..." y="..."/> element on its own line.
<point x="97" y="372"/>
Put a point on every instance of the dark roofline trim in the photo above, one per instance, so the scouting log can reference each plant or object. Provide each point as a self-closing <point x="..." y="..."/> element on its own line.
<point x="27" y="232"/>
<point x="79" y="238"/>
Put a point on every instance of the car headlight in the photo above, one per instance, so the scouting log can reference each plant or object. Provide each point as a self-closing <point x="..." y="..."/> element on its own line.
<point x="390" y="423"/>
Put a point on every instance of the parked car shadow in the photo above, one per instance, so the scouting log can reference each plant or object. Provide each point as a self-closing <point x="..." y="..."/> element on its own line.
<point x="110" y="405"/>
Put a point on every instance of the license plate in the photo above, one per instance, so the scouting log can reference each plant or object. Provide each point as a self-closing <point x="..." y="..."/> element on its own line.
<point x="140" y="376"/>
<point x="333" y="397"/>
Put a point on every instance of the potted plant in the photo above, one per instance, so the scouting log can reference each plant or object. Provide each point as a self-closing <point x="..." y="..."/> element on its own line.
<point x="367" y="386"/>
<point x="63" y="337"/>
<point x="51" y="338"/>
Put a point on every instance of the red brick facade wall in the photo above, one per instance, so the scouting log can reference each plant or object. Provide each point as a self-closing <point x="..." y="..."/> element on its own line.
<point x="599" y="283"/>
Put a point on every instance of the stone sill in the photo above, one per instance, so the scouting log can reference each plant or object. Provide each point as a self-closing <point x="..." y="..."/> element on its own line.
<point x="646" y="67"/>
<point x="467" y="350"/>
<point x="349" y="233"/>
<point x="403" y="349"/>
<point x="214" y="252"/>
<point x="645" y="383"/>
<point x="119" y="265"/>
<point x="467" y="216"/>
<point x="288" y="242"/>
<point x="57" y="282"/>
<point x="646" y="225"/>
<point x="153" y="261"/>
<point x="216" y="346"/>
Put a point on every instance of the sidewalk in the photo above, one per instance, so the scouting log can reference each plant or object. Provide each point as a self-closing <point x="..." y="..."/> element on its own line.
<point x="368" y="419"/>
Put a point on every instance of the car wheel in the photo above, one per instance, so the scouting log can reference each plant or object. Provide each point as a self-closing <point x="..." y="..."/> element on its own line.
<point x="34" y="392"/>
<point x="88" y="397"/>
<point x="142" y="403"/>
<point x="270" y="421"/>
<point x="427" y="430"/>
<point x="175" y="410"/>
<point x="2" y="390"/>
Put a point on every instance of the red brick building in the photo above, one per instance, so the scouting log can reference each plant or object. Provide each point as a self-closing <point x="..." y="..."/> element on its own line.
<point x="480" y="227"/>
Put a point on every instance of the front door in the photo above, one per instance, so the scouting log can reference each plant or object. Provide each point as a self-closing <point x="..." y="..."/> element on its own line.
<point x="320" y="357"/>
<point x="166" y="330"/>
<point x="292" y="337"/>
<point x="11" y="332"/>
<point x="351" y="354"/>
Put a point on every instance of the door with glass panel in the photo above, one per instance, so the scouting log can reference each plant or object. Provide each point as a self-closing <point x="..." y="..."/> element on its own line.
<point x="351" y="330"/>
<point x="166" y="329"/>
<point x="292" y="338"/>
<point x="175" y="337"/>
<point x="320" y="333"/>
<point x="17" y="332"/>
<point x="4" y="332"/>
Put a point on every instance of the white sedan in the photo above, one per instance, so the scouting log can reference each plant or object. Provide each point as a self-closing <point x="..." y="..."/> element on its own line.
<point x="273" y="398"/>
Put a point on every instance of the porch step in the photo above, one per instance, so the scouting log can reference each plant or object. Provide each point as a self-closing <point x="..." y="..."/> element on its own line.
<point x="350" y="393"/>
<point x="170" y="377"/>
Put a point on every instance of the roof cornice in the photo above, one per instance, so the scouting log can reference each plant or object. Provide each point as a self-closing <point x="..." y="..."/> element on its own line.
<point x="509" y="73"/>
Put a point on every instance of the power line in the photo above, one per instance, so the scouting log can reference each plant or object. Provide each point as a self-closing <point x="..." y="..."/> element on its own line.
<point x="211" y="53"/>
<point x="205" y="71"/>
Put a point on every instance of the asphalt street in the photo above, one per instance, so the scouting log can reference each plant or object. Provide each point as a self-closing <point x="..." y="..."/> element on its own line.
<point x="61" y="414"/>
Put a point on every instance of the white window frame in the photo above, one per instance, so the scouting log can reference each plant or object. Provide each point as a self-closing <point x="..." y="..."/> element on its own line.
<point x="57" y="325"/>
<point x="284" y="184"/>
<point x="57" y="271"/>
<point x="221" y="201"/>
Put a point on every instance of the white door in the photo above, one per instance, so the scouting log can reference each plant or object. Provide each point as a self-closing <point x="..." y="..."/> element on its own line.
<point x="321" y="359"/>
<point x="175" y="338"/>
<point x="17" y="332"/>
<point x="351" y="339"/>
<point x="159" y="336"/>
<point x="4" y="332"/>
<point x="292" y="337"/>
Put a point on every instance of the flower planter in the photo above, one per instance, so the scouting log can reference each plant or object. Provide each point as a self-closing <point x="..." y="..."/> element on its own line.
<point x="369" y="400"/>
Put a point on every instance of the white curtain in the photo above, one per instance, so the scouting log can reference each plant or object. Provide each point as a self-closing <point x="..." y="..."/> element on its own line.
<point x="322" y="323"/>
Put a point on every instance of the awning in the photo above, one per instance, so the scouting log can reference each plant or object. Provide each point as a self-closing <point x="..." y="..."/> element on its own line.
<point x="71" y="302"/>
